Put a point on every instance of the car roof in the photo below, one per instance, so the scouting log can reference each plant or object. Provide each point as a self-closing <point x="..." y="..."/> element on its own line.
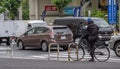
<point x="51" y="26"/>
<point x="36" y="21"/>
<point x="85" y="18"/>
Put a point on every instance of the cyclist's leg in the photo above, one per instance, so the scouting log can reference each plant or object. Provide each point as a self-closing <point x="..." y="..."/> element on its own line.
<point x="92" y="50"/>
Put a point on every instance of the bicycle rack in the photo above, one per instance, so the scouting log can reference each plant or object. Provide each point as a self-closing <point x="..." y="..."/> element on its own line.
<point x="49" y="47"/>
<point x="12" y="44"/>
<point x="69" y="57"/>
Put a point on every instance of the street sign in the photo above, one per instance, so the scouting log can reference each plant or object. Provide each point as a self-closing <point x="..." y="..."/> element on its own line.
<point x="69" y="10"/>
<point x="112" y="11"/>
<point x="77" y="11"/>
<point x="50" y="8"/>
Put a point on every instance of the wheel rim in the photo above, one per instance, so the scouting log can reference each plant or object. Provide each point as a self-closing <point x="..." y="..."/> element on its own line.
<point x="73" y="52"/>
<point x="44" y="46"/>
<point x="20" y="45"/>
<point x="102" y="54"/>
<point x="118" y="50"/>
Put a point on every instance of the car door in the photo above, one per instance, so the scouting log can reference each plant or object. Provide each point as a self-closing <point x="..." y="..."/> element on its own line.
<point x="41" y="35"/>
<point x="29" y="36"/>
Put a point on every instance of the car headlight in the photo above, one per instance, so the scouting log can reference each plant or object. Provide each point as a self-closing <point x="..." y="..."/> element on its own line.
<point x="100" y="36"/>
<point x="113" y="37"/>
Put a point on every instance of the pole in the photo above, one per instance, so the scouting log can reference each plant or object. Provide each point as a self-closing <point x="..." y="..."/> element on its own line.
<point x="119" y="13"/>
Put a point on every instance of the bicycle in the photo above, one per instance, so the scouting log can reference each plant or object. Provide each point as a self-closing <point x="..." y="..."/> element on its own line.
<point x="101" y="53"/>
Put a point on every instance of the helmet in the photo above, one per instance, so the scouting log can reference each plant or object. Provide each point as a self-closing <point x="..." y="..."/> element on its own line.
<point x="89" y="20"/>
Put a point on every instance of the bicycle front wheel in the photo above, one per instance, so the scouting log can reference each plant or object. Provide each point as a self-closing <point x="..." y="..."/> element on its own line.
<point x="102" y="54"/>
<point x="76" y="54"/>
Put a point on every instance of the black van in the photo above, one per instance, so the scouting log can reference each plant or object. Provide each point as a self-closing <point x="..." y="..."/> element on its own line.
<point x="78" y="24"/>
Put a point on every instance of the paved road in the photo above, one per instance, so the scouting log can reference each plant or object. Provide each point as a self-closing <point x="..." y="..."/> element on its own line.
<point x="39" y="55"/>
<point x="43" y="64"/>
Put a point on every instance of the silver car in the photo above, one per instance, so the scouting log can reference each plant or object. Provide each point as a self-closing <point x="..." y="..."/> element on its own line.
<point x="115" y="44"/>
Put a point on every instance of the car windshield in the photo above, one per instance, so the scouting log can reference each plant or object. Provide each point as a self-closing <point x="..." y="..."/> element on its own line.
<point x="101" y="23"/>
<point x="60" y="30"/>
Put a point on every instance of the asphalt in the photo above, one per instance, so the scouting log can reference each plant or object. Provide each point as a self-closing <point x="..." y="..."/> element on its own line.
<point x="7" y="63"/>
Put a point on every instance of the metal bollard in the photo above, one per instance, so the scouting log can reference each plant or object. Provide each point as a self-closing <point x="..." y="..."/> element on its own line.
<point x="49" y="47"/>
<point x="13" y="43"/>
<point x="69" y="51"/>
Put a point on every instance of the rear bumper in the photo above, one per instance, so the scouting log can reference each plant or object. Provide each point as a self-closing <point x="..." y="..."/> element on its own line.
<point x="61" y="43"/>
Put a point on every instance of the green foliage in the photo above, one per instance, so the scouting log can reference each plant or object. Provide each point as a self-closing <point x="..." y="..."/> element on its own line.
<point x="11" y="6"/>
<point x="60" y="4"/>
<point x="98" y="13"/>
<point x="25" y="10"/>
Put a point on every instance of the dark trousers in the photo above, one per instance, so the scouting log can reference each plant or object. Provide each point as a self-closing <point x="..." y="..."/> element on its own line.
<point x="92" y="48"/>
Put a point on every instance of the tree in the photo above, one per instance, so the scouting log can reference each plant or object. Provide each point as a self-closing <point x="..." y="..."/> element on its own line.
<point x="11" y="6"/>
<point x="25" y="10"/>
<point x="60" y="4"/>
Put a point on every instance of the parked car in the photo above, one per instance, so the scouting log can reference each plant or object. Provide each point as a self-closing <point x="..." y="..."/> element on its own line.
<point x="114" y="44"/>
<point x="9" y="29"/>
<point x="43" y="36"/>
<point x="78" y="26"/>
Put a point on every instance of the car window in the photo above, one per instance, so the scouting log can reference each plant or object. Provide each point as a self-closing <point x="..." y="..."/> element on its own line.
<point x="101" y="23"/>
<point x="40" y="30"/>
<point x="61" y="30"/>
<point x="44" y="29"/>
<point x="30" y="32"/>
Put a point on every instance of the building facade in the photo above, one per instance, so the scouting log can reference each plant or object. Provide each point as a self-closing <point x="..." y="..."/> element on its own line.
<point x="36" y="8"/>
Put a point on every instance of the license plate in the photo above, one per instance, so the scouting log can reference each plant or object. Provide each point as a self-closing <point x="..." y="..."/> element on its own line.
<point x="106" y="42"/>
<point x="4" y="40"/>
<point x="63" y="37"/>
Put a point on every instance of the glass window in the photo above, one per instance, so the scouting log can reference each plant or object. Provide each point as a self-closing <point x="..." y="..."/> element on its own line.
<point x="38" y="30"/>
<point x="61" y="30"/>
<point x="30" y="32"/>
<point x="44" y="29"/>
<point x="101" y="23"/>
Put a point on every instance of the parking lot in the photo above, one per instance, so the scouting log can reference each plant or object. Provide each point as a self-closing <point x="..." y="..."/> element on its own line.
<point x="35" y="53"/>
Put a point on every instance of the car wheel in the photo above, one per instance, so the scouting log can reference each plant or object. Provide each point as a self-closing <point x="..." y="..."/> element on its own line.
<point x="21" y="45"/>
<point x="117" y="49"/>
<point x="44" y="46"/>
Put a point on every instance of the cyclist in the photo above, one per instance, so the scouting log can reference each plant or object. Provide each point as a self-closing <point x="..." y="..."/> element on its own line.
<point x="92" y="31"/>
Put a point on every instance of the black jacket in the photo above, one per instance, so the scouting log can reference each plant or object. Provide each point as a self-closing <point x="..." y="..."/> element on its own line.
<point x="92" y="31"/>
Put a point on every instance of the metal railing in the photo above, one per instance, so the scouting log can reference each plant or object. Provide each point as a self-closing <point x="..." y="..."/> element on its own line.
<point x="76" y="46"/>
<point x="49" y="48"/>
<point x="58" y="48"/>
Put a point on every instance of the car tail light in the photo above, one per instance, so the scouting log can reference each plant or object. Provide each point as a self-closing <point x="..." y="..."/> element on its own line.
<point x="71" y="33"/>
<point x="52" y="35"/>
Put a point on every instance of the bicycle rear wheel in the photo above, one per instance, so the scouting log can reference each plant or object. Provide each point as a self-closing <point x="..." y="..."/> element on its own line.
<point x="73" y="53"/>
<point x="102" y="54"/>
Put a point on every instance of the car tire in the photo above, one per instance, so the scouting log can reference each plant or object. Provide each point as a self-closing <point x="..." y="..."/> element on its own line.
<point x="21" y="45"/>
<point x="117" y="49"/>
<point x="44" y="46"/>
